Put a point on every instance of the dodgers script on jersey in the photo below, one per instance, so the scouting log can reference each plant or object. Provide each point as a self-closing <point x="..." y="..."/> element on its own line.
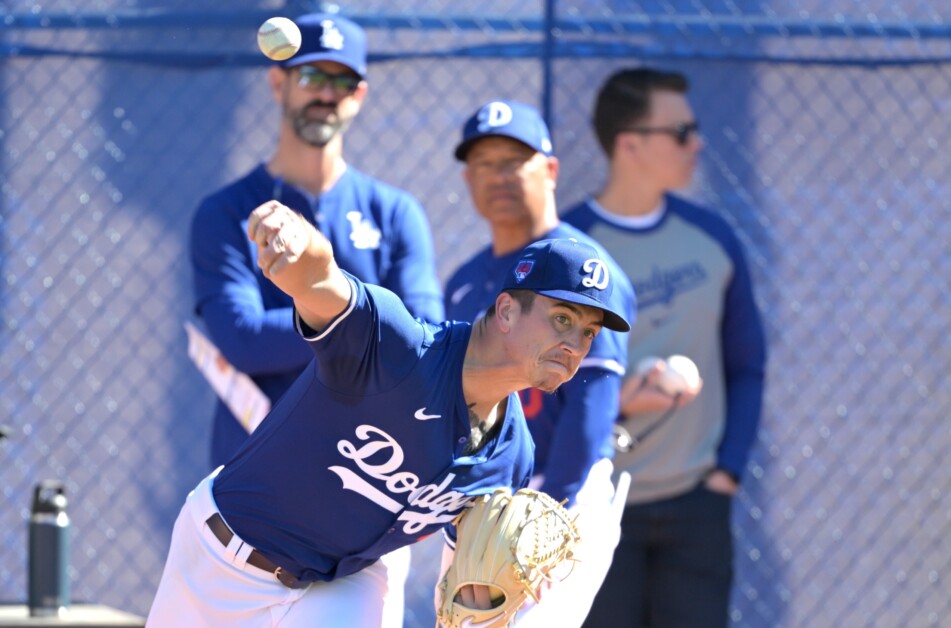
<point x="379" y="234"/>
<point x="370" y="438"/>
<point x="592" y="392"/>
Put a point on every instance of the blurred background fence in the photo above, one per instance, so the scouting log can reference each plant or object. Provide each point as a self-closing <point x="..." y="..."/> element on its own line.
<point x="827" y="125"/>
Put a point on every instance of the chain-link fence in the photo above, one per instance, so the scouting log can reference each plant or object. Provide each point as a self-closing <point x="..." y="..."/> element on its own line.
<point x="826" y="128"/>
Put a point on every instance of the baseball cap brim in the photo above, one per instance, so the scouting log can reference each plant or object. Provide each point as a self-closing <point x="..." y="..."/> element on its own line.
<point x="463" y="148"/>
<point x="324" y="56"/>
<point x="611" y="319"/>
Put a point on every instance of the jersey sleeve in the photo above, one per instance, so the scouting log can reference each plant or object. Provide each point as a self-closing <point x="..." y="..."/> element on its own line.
<point x="744" y="357"/>
<point x="255" y="339"/>
<point x="372" y="345"/>
<point x="413" y="273"/>
<point x="582" y="432"/>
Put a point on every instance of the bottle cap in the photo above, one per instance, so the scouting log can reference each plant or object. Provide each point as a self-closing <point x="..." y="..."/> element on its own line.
<point x="49" y="496"/>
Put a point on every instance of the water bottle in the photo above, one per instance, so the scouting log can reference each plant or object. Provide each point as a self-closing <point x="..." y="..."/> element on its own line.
<point x="49" y="551"/>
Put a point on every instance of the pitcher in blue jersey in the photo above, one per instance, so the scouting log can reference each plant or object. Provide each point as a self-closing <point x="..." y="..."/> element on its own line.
<point x="385" y="437"/>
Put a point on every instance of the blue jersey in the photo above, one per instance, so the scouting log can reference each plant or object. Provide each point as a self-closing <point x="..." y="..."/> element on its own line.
<point x="379" y="234"/>
<point x="572" y="426"/>
<point x="364" y="453"/>
<point x="695" y="297"/>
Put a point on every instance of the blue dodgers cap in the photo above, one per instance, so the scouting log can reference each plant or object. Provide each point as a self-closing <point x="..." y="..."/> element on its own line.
<point x="328" y="37"/>
<point x="568" y="270"/>
<point x="505" y="118"/>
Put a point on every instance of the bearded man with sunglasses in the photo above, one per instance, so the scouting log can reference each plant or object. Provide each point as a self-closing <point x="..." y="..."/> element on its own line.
<point x="686" y="454"/>
<point x="379" y="233"/>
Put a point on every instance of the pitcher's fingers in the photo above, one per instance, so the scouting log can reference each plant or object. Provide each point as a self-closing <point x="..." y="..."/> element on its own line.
<point x="276" y="254"/>
<point x="279" y="263"/>
<point x="259" y="213"/>
<point x="483" y="599"/>
<point x="467" y="596"/>
<point x="266" y="260"/>
<point x="275" y="230"/>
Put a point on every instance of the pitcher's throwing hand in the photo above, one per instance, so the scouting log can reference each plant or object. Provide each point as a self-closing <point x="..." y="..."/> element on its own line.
<point x="281" y="235"/>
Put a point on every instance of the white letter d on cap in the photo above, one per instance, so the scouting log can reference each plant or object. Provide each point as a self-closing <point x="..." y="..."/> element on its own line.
<point x="598" y="276"/>
<point x="494" y="114"/>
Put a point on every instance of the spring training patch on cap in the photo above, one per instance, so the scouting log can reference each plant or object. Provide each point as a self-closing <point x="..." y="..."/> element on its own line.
<point x="523" y="268"/>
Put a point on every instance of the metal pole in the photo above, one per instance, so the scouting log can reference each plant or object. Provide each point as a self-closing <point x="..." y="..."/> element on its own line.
<point x="548" y="53"/>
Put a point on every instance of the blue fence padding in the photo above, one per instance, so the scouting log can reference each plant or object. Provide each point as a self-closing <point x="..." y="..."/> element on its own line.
<point x="528" y="50"/>
<point x="619" y="24"/>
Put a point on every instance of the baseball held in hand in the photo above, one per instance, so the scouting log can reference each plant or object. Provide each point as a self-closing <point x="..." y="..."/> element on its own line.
<point x="681" y="374"/>
<point x="279" y="38"/>
<point x="646" y="364"/>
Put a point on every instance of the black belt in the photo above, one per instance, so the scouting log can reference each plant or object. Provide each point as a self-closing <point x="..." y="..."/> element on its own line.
<point x="224" y="534"/>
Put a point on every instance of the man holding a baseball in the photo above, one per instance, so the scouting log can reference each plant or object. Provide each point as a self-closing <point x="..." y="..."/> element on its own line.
<point x="685" y="443"/>
<point x="392" y="430"/>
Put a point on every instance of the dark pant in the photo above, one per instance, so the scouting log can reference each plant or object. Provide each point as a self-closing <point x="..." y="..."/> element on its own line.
<point x="673" y="566"/>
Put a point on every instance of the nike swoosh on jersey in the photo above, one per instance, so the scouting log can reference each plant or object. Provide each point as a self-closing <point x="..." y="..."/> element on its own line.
<point x="422" y="416"/>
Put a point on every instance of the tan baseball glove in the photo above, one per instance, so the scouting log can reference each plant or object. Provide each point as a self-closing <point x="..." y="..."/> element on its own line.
<point x="511" y="544"/>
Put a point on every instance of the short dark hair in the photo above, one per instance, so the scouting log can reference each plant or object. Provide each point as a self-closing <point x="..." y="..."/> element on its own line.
<point x="525" y="298"/>
<point x="624" y="100"/>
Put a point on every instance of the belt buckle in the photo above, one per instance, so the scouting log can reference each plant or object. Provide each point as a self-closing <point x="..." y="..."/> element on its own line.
<point x="289" y="580"/>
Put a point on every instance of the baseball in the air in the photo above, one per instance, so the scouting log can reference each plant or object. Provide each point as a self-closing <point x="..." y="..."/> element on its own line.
<point x="681" y="374"/>
<point x="279" y="38"/>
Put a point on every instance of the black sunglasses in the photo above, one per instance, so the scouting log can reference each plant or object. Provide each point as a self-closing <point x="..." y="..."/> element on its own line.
<point x="315" y="78"/>
<point x="681" y="133"/>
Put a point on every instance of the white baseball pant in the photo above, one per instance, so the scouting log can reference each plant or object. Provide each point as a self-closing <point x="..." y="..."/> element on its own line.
<point x="207" y="584"/>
